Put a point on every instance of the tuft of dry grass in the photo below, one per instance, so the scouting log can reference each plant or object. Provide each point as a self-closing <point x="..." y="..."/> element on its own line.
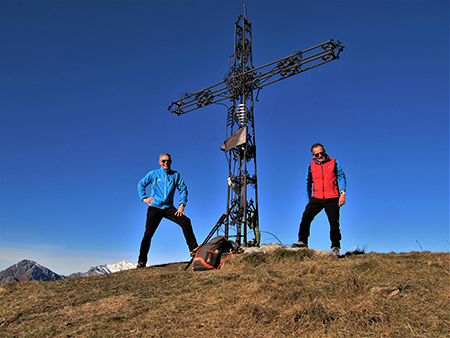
<point x="279" y="294"/>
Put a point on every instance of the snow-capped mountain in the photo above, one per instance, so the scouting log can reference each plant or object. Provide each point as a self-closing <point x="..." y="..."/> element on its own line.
<point x="104" y="269"/>
<point x="27" y="270"/>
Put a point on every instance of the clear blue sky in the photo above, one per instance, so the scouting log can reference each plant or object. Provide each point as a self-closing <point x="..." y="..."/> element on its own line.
<point x="85" y="87"/>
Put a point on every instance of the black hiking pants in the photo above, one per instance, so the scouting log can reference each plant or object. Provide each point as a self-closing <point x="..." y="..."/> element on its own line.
<point x="315" y="206"/>
<point x="154" y="217"/>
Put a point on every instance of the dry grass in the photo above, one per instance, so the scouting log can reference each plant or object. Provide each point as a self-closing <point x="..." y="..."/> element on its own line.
<point x="280" y="294"/>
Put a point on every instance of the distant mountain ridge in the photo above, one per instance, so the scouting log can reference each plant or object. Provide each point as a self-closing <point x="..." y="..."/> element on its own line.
<point x="104" y="269"/>
<point x="27" y="270"/>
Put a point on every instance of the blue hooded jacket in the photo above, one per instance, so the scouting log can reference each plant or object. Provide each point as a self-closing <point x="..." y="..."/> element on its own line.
<point x="163" y="182"/>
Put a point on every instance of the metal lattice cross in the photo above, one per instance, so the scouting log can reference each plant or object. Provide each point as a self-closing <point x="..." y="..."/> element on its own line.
<point x="238" y="86"/>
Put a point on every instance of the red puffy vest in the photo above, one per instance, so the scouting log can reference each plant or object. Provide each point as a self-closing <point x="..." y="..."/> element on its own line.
<point x="324" y="179"/>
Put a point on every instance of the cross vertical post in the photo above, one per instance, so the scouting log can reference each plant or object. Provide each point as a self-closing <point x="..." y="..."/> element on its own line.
<point x="242" y="203"/>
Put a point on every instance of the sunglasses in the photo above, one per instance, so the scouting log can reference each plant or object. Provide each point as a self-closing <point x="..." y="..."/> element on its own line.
<point x="319" y="154"/>
<point x="164" y="161"/>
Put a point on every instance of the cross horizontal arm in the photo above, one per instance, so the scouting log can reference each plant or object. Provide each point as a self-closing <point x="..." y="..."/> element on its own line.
<point x="294" y="64"/>
<point x="253" y="79"/>
<point x="204" y="97"/>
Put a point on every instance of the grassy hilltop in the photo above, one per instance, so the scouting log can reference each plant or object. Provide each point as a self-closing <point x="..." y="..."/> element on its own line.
<point x="278" y="294"/>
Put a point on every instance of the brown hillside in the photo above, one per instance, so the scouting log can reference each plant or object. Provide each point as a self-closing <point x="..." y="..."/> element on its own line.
<point x="279" y="294"/>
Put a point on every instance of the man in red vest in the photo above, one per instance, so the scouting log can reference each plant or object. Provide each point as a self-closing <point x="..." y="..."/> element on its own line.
<point x="325" y="187"/>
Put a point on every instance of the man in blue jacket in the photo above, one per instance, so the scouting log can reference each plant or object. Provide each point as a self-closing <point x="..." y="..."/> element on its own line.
<point x="163" y="182"/>
<point x="325" y="189"/>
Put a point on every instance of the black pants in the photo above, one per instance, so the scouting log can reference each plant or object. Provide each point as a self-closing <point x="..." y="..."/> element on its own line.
<point x="315" y="206"/>
<point x="154" y="217"/>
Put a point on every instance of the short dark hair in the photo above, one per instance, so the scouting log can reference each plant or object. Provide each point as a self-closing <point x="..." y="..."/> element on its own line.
<point x="315" y="145"/>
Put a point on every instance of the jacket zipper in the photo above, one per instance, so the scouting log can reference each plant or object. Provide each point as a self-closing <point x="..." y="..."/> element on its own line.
<point x="165" y="186"/>
<point x="323" y="182"/>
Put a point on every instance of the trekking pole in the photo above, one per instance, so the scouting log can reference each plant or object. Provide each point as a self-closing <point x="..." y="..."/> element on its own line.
<point x="214" y="229"/>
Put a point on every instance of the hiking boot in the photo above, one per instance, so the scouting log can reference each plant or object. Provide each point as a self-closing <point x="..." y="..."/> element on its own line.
<point x="299" y="244"/>
<point x="335" y="251"/>
<point x="140" y="265"/>
<point x="194" y="251"/>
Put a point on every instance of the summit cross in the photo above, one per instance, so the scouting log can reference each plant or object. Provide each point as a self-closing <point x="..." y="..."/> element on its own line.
<point x="239" y="84"/>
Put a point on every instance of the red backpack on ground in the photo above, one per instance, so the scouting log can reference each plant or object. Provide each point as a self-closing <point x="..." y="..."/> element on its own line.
<point x="208" y="256"/>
